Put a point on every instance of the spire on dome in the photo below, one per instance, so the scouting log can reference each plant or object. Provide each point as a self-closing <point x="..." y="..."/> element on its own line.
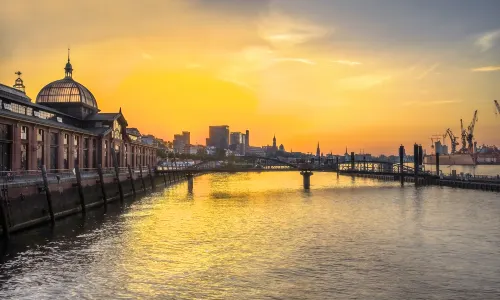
<point x="69" y="68"/>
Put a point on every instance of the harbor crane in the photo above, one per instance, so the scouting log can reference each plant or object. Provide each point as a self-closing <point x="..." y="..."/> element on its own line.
<point x="463" y="133"/>
<point x="497" y="111"/>
<point x="470" y="133"/>
<point x="453" y="139"/>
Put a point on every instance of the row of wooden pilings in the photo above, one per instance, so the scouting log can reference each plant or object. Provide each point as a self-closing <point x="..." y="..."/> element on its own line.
<point x="168" y="178"/>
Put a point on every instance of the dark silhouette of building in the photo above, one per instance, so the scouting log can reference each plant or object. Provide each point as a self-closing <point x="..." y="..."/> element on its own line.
<point x="218" y="137"/>
<point x="247" y="138"/>
<point x="181" y="141"/>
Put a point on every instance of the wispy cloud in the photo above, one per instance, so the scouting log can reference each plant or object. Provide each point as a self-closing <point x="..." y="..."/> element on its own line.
<point x="430" y="103"/>
<point x="147" y="56"/>
<point x="427" y="71"/>
<point x="362" y="82"/>
<point x="487" y="40"/>
<point x="292" y="59"/>
<point x="486" y="69"/>
<point x="347" y="62"/>
<point x="284" y="30"/>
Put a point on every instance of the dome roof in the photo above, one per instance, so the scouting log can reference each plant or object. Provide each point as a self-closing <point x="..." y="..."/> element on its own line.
<point x="66" y="90"/>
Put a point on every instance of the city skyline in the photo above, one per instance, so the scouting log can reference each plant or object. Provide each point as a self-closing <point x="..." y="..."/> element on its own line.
<point x="307" y="70"/>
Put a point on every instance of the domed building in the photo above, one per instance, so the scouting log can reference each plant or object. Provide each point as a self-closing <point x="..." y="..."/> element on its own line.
<point x="68" y="96"/>
<point x="64" y="128"/>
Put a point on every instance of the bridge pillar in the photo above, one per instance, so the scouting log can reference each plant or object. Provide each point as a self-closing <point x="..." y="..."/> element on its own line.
<point x="306" y="176"/>
<point x="190" y="181"/>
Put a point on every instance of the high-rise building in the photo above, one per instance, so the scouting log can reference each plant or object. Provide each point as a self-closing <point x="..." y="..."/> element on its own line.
<point x="236" y="138"/>
<point x="186" y="135"/>
<point x="181" y="141"/>
<point x="247" y="138"/>
<point x="218" y="137"/>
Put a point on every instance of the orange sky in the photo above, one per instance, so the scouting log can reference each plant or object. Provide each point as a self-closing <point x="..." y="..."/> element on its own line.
<point x="273" y="67"/>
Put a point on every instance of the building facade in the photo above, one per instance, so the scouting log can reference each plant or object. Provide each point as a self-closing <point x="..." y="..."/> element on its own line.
<point x="64" y="128"/>
<point x="218" y="137"/>
<point x="181" y="141"/>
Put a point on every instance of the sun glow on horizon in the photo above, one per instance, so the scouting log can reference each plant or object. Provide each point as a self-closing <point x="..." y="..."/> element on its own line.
<point x="277" y="67"/>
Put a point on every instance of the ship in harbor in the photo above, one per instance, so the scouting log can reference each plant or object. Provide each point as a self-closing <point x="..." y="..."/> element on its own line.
<point x="469" y="154"/>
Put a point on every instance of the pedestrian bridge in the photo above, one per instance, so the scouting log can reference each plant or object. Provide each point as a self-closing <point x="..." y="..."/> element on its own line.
<point x="266" y="164"/>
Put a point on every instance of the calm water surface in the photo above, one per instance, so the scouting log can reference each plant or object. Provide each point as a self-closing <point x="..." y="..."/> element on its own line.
<point x="260" y="236"/>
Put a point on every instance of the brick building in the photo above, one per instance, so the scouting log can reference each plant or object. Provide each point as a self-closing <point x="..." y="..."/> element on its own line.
<point x="64" y="128"/>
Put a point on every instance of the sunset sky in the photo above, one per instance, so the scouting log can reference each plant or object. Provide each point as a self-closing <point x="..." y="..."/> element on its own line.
<point x="358" y="73"/>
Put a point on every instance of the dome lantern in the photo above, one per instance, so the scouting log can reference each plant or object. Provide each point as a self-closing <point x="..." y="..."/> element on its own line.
<point x="19" y="84"/>
<point x="69" y="68"/>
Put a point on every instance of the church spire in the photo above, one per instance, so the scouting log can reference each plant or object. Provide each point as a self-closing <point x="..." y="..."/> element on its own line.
<point x="69" y="68"/>
<point x="318" y="152"/>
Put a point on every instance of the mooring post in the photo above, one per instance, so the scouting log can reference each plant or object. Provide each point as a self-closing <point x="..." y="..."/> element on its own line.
<point x="401" y="164"/>
<point x="131" y="177"/>
<point x="48" y="195"/>
<point x="153" y="185"/>
<point x="103" y="190"/>
<point x="142" y="179"/>
<point x="164" y="176"/>
<point x="190" y="180"/>
<point x="5" y="222"/>
<point x="117" y="173"/>
<point x="415" y="162"/>
<point x="80" y="189"/>
<point x="306" y="176"/>
<point x="437" y="163"/>
<point x="352" y="162"/>
<point x="338" y="166"/>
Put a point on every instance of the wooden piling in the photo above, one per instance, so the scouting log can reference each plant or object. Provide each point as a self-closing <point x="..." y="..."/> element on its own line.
<point x="80" y="189"/>
<point x="117" y="174"/>
<point x="103" y="190"/>
<point x="153" y="185"/>
<point x="401" y="164"/>
<point x="5" y="221"/>
<point x="131" y="177"/>
<point x="142" y="179"/>
<point x="48" y="195"/>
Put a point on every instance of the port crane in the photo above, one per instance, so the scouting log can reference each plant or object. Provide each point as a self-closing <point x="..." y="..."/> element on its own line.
<point x="470" y="133"/>
<point x="453" y="139"/>
<point x="497" y="107"/>
<point x="464" y="137"/>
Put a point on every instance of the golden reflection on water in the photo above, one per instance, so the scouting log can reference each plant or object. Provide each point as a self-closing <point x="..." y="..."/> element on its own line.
<point x="261" y="236"/>
<point x="230" y="226"/>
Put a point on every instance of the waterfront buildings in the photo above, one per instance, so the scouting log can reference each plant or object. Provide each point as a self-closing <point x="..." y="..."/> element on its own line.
<point x="64" y="128"/>
<point x="218" y="137"/>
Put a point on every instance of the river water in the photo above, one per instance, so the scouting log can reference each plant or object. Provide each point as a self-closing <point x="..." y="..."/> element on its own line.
<point x="261" y="236"/>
